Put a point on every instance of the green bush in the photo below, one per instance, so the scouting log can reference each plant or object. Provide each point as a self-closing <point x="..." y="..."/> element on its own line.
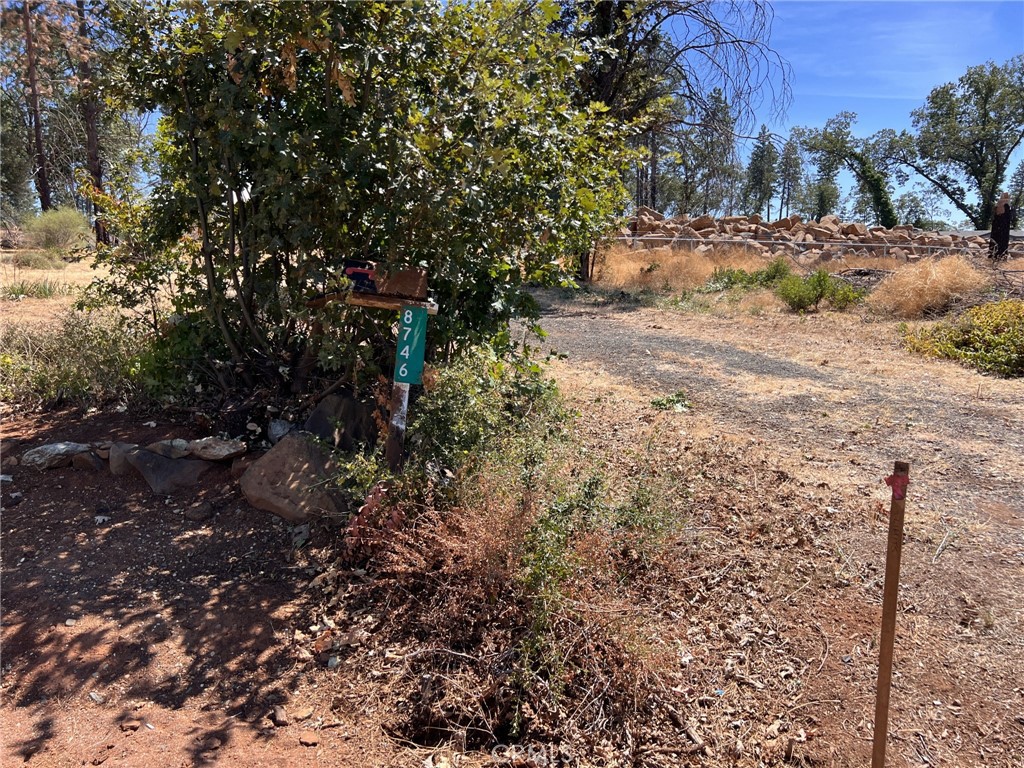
<point x="58" y="229"/>
<point x="84" y="358"/>
<point x="797" y="293"/>
<point x="989" y="337"/>
<point x="475" y="402"/>
<point x="804" y="293"/>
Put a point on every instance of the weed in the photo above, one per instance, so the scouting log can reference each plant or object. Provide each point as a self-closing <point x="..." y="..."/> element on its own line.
<point x="34" y="260"/>
<point x="928" y="287"/>
<point x="989" y="337"/>
<point x="36" y="289"/>
<point x="677" y="402"/>
<point x="83" y="358"/>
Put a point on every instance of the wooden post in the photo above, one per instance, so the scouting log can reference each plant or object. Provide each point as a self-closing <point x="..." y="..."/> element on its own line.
<point x="898" y="481"/>
<point x="394" y="450"/>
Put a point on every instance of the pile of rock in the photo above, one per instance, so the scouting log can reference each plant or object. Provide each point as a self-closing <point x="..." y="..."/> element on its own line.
<point x="822" y="240"/>
<point x="288" y="475"/>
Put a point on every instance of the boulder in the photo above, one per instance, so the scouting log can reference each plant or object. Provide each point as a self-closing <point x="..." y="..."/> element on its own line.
<point x="342" y="421"/>
<point x="643" y="210"/>
<point x="167" y="476"/>
<point x="855" y="230"/>
<point x="119" y="453"/>
<point x="703" y="222"/>
<point x="52" y="455"/>
<point x="287" y="480"/>
<point x="216" y="449"/>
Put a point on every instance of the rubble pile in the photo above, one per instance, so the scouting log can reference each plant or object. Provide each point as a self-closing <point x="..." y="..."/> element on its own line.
<point x="823" y="240"/>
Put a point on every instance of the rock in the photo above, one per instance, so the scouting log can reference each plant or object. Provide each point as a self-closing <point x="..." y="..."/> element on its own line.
<point x="342" y="421"/>
<point x="284" y="481"/>
<point x="309" y="739"/>
<point x="703" y="222"/>
<point x="52" y="455"/>
<point x="643" y="210"/>
<point x="303" y="714"/>
<point x="9" y="461"/>
<point x="199" y="512"/>
<point x="119" y="453"/>
<point x="242" y="463"/>
<point x="166" y="476"/>
<point x="279" y="717"/>
<point x="278" y="428"/>
<point x="172" y="449"/>
<point x="216" y="448"/>
<point x="88" y="461"/>
<point x="857" y="230"/>
<point x="131" y="725"/>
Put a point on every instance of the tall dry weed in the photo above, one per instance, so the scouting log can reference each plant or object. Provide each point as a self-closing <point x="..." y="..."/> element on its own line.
<point x="928" y="287"/>
<point x="668" y="269"/>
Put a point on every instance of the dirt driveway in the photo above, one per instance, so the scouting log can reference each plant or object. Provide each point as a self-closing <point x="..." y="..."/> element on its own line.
<point x="135" y="635"/>
<point x="819" y="407"/>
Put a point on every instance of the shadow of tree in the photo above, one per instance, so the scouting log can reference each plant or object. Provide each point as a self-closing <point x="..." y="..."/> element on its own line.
<point x="147" y="608"/>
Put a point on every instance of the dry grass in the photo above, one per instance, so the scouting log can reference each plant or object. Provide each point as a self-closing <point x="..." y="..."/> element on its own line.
<point x="928" y="287"/>
<point x="623" y="268"/>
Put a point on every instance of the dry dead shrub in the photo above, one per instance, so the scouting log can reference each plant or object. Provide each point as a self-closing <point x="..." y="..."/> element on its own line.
<point x="666" y="268"/>
<point x="928" y="287"/>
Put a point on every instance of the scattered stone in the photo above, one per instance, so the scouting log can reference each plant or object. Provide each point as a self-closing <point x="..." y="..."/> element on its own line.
<point x="309" y="739"/>
<point x="150" y="424"/>
<point x="6" y="478"/>
<point x="9" y="461"/>
<point x="52" y="455"/>
<point x="15" y="499"/>
<point x="119" y="453"/>
<point x="278" y="428"/>
<point x="216" y="448"/>
<point x="172" y="449"/>
<point x="167" y="476"/>
<point x="70" y="622"/>
<point x="303" y="714"/>
<point x="131" y="725"/>
<point x="101" y="519"/>
<point x="279" y="717"/>
<point x="99" y="698"/>
<point x="87" y="461"/>
<point x="285" y="480"/>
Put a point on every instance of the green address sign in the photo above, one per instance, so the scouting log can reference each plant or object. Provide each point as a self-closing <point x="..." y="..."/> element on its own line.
<point x="412" y="339"/>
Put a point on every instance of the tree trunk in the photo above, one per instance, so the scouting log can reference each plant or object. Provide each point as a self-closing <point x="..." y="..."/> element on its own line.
<point x="42" y="177"/>
<point x="91" y="108"/>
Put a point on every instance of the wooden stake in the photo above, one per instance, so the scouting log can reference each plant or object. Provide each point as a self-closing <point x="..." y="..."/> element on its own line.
<point x="899" y="481"/>
<point x="394" y="450"/>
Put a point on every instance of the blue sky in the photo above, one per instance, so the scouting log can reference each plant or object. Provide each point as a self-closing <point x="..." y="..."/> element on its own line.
<point x="880" y="59"/>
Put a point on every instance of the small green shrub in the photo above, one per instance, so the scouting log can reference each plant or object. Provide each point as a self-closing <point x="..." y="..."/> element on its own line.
<point x="797" y="293"/>
<point x="804" y="293"/>
<point x="35" y="260"/>
<point x="989" y="337"/>
<point x="59" y="229"/>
